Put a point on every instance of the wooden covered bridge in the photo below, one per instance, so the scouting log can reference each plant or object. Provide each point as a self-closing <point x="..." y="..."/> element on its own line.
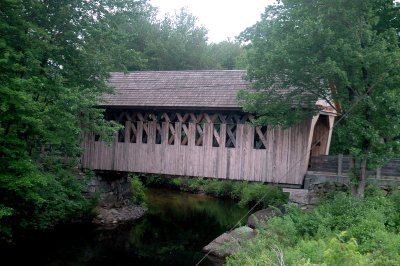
<point x="189" y="123"/>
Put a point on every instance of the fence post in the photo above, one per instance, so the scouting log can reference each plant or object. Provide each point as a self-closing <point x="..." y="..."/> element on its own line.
<point x="378" y="172"/>
<point x="340" y="165"/>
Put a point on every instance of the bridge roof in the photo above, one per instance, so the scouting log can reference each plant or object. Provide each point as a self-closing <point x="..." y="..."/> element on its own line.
<point x="190" y="89"/>
<point x="201" y="89"/>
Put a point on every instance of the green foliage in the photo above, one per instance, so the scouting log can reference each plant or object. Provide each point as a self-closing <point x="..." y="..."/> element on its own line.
<point x="332" y="251"/>
<point x="227" y="55"/>
<point x="176" y="42"/>
<point x="55" y="58"/>
<point x="395" y="198"/>
<point x="154" y="180"/>
<point x="138" y="191"/>
<point x="344" y="52"/>
<point x="342" y="230"/>
<point x="267" y="195"/>
<point x="246" y="193"/>
<point x="52" y="74"/>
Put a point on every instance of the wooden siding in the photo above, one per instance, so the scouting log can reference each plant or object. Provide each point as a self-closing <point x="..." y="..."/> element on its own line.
<point x="322" y="135"/>
<point x="284" y="158"/>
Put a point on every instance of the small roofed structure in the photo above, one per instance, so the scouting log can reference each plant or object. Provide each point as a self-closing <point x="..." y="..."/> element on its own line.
<point x="189" y="123"/>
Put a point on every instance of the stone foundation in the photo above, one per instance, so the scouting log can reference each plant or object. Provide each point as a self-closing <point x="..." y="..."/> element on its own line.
<point x="114" y="193"/>
<point x="113" y="189"/>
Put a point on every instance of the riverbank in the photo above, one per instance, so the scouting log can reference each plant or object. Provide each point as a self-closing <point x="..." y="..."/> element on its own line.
<point x="243" y="192"/>
<point x="341" y="229"/>
<point x="172" y="232"/>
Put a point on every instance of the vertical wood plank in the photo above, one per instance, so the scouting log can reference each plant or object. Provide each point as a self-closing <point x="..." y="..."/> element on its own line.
<point x="139" y="142"/>
<point x="208" y="139"/>
<point x="177" y="135"/>
<point x="151" y="137"/>
<point x="379" y="173"/>
<point x="190" y="149"/>
<point x="340" y="165"/>
<point x="239" y="151"/>
<point x="127" y="131"/>
<point x="164" y="133"/>
<point x="192" y="134"/>
<point x="222" y="173"/>
<point x="139" y="132"/>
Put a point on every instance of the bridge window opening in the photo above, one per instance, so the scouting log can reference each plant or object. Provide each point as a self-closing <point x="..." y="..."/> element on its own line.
<point x="199" y="134"/>
<point x="97" y="137"/>
<point x="216" y="135"/>
<point x="185" y="134"/>
<point x="260" y="137"/>
<point x="158" y="132"/>
<point x="145" y="133"/>
<point x="216" y="119"/>
<point x="170" y="117"/>
<point x="230" y="136"/>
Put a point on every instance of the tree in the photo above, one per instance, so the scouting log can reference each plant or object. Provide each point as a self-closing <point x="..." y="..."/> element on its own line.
<point x="178" y="44"/>
<point x="226" y="54"/>
<point x="52" y="74"/>
<point x="346" y="52"/>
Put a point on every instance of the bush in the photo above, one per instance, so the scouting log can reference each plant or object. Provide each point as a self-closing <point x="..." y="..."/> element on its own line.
<point x="218" y="188"/>
<point x="245" y="192"/>
<point x="267" y="195"/>
<point x="341" y="230"/>
<point x="138" y="191"/>
<point x="395" y="221"/>
<point x="155" y="180"/>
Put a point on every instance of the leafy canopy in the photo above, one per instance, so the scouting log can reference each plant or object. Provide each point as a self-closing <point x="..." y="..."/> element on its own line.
<point x="345" y="52"/>
<point x="55" y="57"/>
<point x="52" y="74"/>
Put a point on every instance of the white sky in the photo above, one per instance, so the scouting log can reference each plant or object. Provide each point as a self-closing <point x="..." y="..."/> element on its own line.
<point x="222" y="18"/>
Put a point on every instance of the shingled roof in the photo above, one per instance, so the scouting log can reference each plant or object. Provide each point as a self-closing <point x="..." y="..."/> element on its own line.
<point x="176" y="89"/>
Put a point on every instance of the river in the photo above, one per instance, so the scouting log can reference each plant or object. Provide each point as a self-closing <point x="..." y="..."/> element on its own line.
<point x="172" y="232"/>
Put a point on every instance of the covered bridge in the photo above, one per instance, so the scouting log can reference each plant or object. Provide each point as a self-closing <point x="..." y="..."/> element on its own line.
<point x="189" y="123"/>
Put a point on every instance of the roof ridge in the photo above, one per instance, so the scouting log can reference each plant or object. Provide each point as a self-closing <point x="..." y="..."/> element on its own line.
<point x="171" y="71"/>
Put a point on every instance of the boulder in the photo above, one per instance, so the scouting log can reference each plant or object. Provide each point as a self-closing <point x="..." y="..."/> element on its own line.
<point x="229" y="243"/>
<point x="301" y="196"/>
<point x="261" y="216"/>
<point x="106" y="216"/>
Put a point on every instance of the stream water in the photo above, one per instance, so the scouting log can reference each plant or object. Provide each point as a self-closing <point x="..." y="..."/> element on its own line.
<point x="172" y="232"/>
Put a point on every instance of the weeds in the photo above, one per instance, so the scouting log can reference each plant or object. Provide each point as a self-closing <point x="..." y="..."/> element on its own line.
<point x="246" y="193"/>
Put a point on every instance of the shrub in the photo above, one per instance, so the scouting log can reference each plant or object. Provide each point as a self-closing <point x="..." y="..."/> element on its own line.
<point x="246" y="193"/>
<point x="341" y="230"/>
<point x="138" y="191"/>
<point x="267" y="195"/>
<point x="216" y="188"/>
<point x="395" y="221"/>
<point x="155" y="180"/>
<point x="384" y="248"/>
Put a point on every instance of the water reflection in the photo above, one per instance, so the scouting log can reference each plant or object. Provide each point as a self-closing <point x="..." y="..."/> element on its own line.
<point x="173" y="232"/>
<point x="178" y="225"/>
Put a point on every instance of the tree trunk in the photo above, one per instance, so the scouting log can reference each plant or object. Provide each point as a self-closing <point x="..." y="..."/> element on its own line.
<point x="362" y="178"/>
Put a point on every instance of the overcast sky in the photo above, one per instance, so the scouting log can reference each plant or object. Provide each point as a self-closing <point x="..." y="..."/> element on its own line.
<point x="222" y="18"/>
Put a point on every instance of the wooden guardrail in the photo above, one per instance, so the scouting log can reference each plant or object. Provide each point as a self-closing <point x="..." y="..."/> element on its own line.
<point x="342" y="165"/>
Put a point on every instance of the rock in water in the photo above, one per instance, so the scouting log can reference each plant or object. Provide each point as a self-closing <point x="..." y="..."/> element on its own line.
<point x="118" y="215"/>
<point x="229" y="243"/>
